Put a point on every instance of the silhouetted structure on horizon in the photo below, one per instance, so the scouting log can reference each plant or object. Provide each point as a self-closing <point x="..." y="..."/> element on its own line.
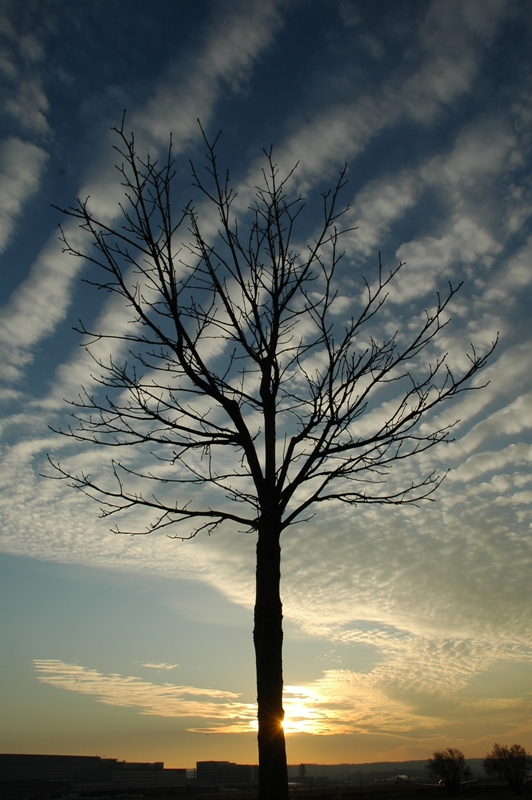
<point x="213" y="773"/>
<point x="82" y="774"/>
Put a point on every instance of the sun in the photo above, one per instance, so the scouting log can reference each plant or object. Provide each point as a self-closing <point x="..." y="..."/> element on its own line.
<point x="297" y="720"/>
<point x="301" y="714"/>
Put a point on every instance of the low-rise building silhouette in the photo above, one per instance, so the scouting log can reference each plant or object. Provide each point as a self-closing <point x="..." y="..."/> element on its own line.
<point x="82" y="773"/>
<point x="214" y="773"/>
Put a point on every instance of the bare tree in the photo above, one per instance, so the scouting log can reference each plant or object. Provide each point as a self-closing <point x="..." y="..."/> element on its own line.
<point x="450" y="767"/>
<point x="510" y="763"/>
<point x="241" y="377"/>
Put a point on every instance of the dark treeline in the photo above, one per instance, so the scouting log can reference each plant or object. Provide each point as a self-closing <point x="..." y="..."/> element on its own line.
<point x="370" y="771"/>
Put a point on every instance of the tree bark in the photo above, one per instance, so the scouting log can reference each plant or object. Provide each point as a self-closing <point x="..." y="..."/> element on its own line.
<point x="268" y="639"/>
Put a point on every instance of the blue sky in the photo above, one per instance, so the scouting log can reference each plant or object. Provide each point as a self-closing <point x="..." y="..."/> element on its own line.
<point x="406" y="629"/>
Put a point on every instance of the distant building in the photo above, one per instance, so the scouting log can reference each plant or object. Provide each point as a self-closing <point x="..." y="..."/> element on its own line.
<point x="17" y="767"/>
<point x="213" y="773"/>
<point x="84" y="773"/>
<point x="147" y="776"/>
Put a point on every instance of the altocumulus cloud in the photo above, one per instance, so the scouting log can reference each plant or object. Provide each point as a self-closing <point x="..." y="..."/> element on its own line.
<point x="440" y="592"/>
<point x="343" y="701"/>
<point x="24" y="98"/>
<point x="40" y="303"/>
<point x="21" y="165"/>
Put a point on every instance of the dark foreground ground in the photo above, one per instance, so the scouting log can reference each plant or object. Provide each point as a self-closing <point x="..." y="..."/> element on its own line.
<point x="377" y="790"/>
<point x="368" y="792"/>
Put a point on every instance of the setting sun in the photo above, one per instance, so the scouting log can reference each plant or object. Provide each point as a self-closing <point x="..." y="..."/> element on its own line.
<point x="301" y="714"/>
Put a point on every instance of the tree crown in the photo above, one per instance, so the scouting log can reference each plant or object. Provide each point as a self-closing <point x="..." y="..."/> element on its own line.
<point x="450" y="767"/>
<point x="240" y="369"/>
<point x="511" y="763"/>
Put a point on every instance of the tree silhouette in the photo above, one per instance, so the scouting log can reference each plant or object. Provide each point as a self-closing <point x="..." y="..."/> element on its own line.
<point x="450" y="767"/>
<point x="510" y="763"/>
<point x="242" y="376"/>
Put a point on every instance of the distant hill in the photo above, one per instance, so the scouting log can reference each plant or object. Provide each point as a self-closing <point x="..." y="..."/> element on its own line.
<point x="367" y="772"/>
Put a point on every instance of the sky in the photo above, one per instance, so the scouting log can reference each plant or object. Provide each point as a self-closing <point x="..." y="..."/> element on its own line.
<point x="407" y="629"/>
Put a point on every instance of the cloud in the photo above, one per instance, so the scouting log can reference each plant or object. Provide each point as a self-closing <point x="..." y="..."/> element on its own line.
<point x="346" y="702"/>
<point x="492" y="461"/>
<point x="446" y="57"/>
<point x="478" y="160"/>
<point x="374" y="210"/>
<point x="231" y="46"/>
<point x="502" y="379"/>
<point x="36" y="307"/>
<point x="21" y="167"/>
<point x="340" y="702"/>
<point x="413" y="673"/>
<point x="431" y="259"/>
<point x="165" y="700"/>
<point x="28" y="105"/>
<point x="40" y="303"/>
<point x="439" y="591"/>
<point x="24" y="98"/>
<point x="513" y="277"/>
<point x="451" y="36"/>
<point x="384" y="700"/>
<point x="513" y="419"/>
<point x="483" y="148"/>
<point x="347" y="130"/>
<point x="348" y="13"/>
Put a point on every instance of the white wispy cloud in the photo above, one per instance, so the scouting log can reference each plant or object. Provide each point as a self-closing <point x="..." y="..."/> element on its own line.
<point x="341" y="701"/>
<point x="21" y="167"/>
<point x="35" y="308"/>
<point x="161" y="700"/>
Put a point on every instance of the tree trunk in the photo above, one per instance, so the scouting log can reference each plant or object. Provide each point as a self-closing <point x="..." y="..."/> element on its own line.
<point x="268" y="639"/>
